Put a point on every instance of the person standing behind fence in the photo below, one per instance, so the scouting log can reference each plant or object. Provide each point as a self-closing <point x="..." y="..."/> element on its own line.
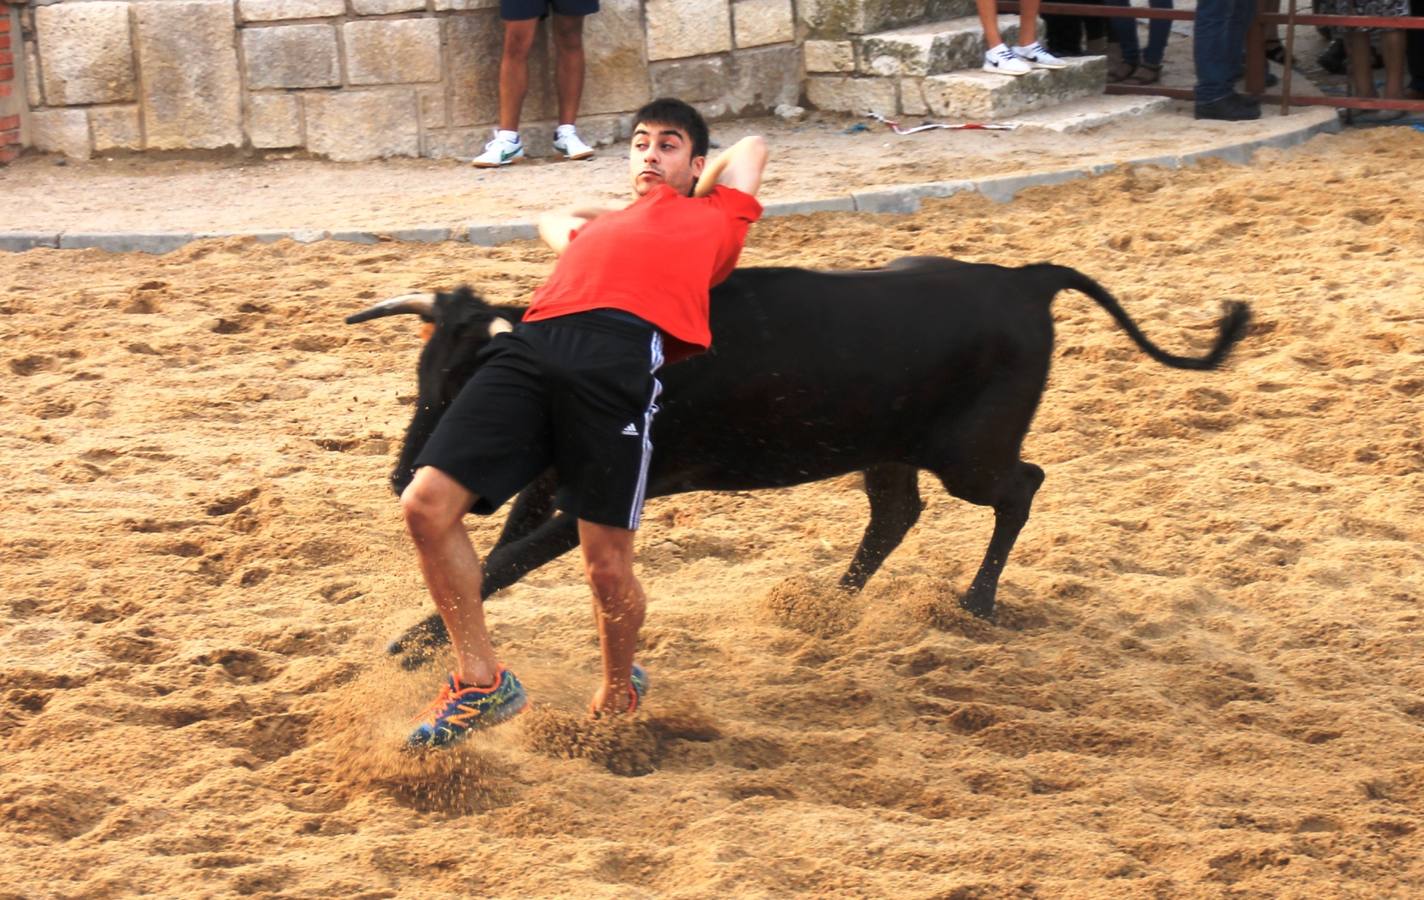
<point x="1022" y="59"/>
<point x="1414" y="44"/>
<point x="1357" y="45"/>
<point x="521" y="21"/>
<point x="1219" y="46"/>
<point x="1139" y="66"/>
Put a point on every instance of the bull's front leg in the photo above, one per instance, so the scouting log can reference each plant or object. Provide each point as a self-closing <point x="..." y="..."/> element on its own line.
<point x="505" y="565"/>
<point x="1010" y="514"/>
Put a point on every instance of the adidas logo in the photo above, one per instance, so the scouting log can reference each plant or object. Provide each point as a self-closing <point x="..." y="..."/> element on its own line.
<point x="630" y="428"/>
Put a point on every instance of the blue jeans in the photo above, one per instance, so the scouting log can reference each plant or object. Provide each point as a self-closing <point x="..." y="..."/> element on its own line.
<point x="1157" y="33"/>
<point x="1220" y="45"/>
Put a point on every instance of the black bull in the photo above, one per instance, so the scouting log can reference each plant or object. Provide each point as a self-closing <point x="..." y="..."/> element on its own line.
<point x="926" y="364"/>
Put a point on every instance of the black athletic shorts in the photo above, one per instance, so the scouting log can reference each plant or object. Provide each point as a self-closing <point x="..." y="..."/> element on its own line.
<point x="517" y="10"/>
<point x="577" y="392"/>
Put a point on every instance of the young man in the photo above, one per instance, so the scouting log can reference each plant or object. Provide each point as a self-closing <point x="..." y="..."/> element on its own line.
<point x="575" y="386"/>
<point x="521" y="21"/>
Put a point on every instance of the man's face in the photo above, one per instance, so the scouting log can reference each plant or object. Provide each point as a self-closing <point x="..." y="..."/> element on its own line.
<point x="661" y="154"/>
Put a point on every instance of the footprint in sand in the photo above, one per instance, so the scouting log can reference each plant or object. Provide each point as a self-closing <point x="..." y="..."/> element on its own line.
<point x="339" y="592"/>
<point x="244" y="665"/>
<point x="35" y="362"/>
<point x="232" y="503"/>
<point x="49" y="809"/>
<point x="229" y="326"/>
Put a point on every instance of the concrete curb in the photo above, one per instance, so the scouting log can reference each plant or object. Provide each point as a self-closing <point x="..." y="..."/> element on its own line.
<point x="896" y="200"/>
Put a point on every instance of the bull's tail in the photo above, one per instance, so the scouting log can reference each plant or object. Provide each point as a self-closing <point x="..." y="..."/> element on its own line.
<point x="1230" y="329"/>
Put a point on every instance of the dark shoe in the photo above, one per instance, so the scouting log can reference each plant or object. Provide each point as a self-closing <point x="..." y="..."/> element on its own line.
<point x="1231" y="108"/>
<point x="1275" y="50"/>
<point x="1377" y="116"/>
<point x="1120" y="71"/>
<point x="1145" y="73"/>
<point x="1333" y="59"/>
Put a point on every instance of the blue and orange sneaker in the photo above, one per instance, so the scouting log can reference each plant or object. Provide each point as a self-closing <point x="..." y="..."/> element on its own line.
<point x="461" y="709"/>
<point x="637" y="689"/>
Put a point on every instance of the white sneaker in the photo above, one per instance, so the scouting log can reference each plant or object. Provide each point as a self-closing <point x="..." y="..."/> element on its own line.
<point x="1002" y="61"/>
<point x="501" y="151"/>
<point x="1039" y="57"/>
<point x="567" y="142"/>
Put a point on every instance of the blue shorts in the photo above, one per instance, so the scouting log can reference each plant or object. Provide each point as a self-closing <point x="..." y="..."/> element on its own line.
<point x="518" y="10"/>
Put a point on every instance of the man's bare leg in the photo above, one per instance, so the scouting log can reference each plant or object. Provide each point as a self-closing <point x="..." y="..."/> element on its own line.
<point x="619" y="605"/>
<point x="434" y="505"/>
<point x="989" y="21"/>
<point x="1028" y="22"/>
<point x="568" y="65"/>
<point x="514" y="70"/>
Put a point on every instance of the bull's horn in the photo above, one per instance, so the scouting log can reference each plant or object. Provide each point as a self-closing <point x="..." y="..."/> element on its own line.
<point x="422" y="305"/>
<point x="499" y="325"/>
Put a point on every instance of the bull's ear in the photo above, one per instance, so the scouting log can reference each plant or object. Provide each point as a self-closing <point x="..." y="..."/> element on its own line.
<point x="499" y="325"/>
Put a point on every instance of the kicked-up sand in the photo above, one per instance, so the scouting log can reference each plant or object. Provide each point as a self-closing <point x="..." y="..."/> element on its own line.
<point x="1206" y="677"/>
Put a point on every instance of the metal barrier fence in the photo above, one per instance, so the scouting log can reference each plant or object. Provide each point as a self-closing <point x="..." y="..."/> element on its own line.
<point x="1255" y="75"/>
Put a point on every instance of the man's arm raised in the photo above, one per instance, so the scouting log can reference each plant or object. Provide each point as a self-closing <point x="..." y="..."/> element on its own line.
<point x="739" y="166"/>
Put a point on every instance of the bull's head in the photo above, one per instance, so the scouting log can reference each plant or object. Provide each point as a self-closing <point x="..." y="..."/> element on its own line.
<point x="456" y="327"/>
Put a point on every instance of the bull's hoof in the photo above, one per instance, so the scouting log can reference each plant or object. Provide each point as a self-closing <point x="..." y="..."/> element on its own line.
<point x="418" y="642"/>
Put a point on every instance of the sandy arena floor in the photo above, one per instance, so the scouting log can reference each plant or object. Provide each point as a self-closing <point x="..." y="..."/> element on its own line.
<point x="1207" y="678"/>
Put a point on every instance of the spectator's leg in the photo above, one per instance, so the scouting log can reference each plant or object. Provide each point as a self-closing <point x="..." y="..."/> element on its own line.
<point x="1095" y="32"/>
<point x="1028" y="22"/>
<point x="1062" y="35"/>
<point x="1217" y="60"/>
<point x="989" y="21"/>
<point x="1362" y="77"/>
<point x="568" y="65"/>
<point x="1392" y="46"/>
<point x="1414" y="46"/>
<point x="514" y="70"/>
<point x="1273" y="32"/>
<point x="1158" y="33"/>
<point x="1125" y="30"/>
<point x="1243" y="13"/>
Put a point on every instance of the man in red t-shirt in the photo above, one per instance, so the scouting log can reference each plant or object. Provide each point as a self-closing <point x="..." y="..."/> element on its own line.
<point x="575" y="386"/>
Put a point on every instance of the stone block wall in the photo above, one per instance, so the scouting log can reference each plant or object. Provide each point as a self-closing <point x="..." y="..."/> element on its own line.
<point x="365" y="79"/>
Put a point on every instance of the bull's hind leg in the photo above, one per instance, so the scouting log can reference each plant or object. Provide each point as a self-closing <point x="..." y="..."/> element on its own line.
<point x="1011" y="503"/>
<point x="894" y="494"/>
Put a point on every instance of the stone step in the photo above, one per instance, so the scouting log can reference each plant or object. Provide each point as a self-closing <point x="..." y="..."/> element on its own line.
<point x="966" y="95"/>
<point x="837" y="19"/>
<point x="931" y="48"/>
<point x="1087" y="113"/>
<point x="975" y="95"/>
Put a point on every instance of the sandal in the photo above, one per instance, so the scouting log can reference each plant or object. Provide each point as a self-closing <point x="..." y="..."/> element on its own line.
<point x="1121" y="71"/>
<point x="1144" y="73"/>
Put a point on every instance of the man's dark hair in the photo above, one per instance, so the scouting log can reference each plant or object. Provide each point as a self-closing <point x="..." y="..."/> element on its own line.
<point x="677" y="114"/>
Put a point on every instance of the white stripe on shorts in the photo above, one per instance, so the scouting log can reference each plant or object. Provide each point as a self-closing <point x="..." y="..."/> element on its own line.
<point x="635" y="515"/>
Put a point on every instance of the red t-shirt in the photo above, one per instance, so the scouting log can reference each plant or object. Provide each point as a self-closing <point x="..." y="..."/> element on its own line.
<point x="656" y="259"/>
